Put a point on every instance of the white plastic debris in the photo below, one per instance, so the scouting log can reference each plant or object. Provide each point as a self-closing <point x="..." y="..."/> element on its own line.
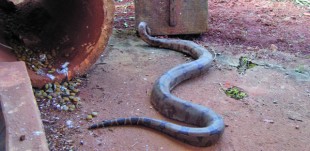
<point x="42" y="57"/>
<point x="40" y="72"/>
<point x="268" y="121"/>
<point x="50" y="76"/>
<point x="69" y="124"/>
<point x="37" y="133"/>
<point x="65" y="65"/>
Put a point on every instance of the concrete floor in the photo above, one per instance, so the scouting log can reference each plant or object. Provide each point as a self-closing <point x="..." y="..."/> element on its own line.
<point x="274" y="116"/>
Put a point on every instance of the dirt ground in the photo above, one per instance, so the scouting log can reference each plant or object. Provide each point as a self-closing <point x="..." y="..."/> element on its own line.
<point x="274" y="116"/>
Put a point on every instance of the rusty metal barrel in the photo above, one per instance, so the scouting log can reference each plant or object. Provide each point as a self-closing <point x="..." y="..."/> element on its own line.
<point x="72" y="33"/>
<point x="173" y="17"/>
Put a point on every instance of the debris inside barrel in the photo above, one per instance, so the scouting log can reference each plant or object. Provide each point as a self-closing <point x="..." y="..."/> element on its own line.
<point x="25" y="34"/>
<point x="59" y="96"/>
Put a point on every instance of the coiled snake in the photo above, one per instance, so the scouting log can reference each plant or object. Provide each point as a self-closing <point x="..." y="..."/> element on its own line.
<point x="209" y="125"/>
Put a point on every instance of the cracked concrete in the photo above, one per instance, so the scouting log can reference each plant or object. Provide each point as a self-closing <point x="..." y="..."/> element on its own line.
<point x="303" y="75"/>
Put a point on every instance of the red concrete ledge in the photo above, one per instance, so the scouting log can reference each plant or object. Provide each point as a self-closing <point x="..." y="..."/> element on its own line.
<point x="21" y="127"/>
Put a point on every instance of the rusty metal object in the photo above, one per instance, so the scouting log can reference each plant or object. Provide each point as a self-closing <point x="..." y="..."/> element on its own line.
<point x="172" y="13"/>
<point x="79" y="33"/>
<point x="173" y="17"/>
<point x="21" y="126"/>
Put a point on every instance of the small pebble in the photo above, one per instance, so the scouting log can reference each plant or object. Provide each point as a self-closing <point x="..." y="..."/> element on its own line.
<point x="94" y="114"/>
<point x="273" y="47"/>
<point x="75" y="100"/>
<point x="76" y="90"/>
<point x="71" y="108"/>
<point x="46" y="86"/>
<point x="66" y="99"/>
<point x="58" y="107"/>
<point x="22" y="138"/>
<point x="51" y="71"/>
<point x="65" y="107"/>
<point x="69" y="124"/>
<point x="297" y="127"/>
<point x="61" y="101"/>
<point x="57" y="89"/>
<point x="65" y="84"/>
<point x="89" y="117"/>
<point x="70" y="141"/>
<point x="268" y="121"/>
<point x="44" y="94"/>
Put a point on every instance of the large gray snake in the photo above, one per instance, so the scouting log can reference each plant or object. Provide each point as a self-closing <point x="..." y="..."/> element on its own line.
<point x="209" y="125"/>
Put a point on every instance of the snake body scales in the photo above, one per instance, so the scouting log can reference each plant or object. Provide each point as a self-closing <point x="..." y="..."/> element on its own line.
<point x="209" y="125"/>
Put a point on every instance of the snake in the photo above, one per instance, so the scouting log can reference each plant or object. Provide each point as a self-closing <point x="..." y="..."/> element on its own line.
<point x="205" y="126"/>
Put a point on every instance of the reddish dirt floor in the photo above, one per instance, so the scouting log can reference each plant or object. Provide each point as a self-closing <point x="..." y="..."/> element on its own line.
<point x="258" y="24"/>
<point x="274" y="116"/>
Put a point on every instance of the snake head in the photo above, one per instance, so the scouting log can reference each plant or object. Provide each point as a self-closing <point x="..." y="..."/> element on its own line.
<point x="143" y="28"/>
